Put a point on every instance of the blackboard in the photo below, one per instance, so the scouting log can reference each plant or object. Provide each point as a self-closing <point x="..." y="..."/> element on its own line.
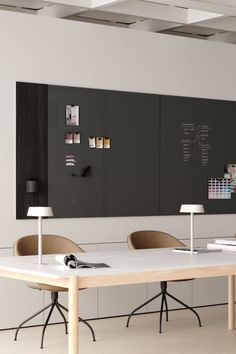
<point x="164" y="150"/>
<point x="123" y="180"/>
<point x="197" y="141"/>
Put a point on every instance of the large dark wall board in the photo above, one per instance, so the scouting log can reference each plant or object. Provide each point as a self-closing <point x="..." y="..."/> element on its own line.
<point x="197" y="141"/>
<point x="163" y="151"/>
<point x="123" y="180"/>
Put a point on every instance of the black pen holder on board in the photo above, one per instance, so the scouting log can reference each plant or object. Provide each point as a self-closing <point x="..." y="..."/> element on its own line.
<point x="32" y="186"/>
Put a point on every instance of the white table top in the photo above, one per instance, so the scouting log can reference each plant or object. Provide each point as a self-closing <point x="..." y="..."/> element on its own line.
<point x="120" y="262"/>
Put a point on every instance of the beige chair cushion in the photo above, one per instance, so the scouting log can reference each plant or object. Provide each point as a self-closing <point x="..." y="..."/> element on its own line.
<point x="153" y="239"/>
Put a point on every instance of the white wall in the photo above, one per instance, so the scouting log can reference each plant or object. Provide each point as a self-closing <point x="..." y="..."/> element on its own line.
<point x="61" y="52"/>
<point x="53" y="51"/>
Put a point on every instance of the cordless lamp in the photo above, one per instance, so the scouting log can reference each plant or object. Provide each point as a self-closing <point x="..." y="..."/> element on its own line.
<point x="192" y="209"/>
<point x="40" y="212"/>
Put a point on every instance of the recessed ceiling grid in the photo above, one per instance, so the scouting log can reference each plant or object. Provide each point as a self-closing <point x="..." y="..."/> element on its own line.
<point x="204" y="19"/>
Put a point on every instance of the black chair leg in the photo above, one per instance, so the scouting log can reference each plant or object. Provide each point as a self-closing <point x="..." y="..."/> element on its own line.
<point x="46" y="323"/>
<point x="62" y="315"/>
<point x="30" y="318"/>
<point x="161" y="311"/>
<point x="139" y="307"/>
<point x="83" y="321"/>
<point x="54" y="303"/>
<point x="164" y="295"/>
<point x="167" y="313"/>
<point x="91" y="329"/>
<point x="185" y="305"/>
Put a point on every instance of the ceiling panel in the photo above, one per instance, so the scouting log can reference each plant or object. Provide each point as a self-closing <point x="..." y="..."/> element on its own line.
<point x="223" y="23"/>
<point x="163" y="16"/>
<point x="28" y="4"/>
<point x="226" y="3"/>
<point x="201" y="31"/>
<point x="107" y="16"/>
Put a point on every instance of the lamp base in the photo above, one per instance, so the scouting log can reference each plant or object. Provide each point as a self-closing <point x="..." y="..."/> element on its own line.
<point x="184" y="250"/>
<point x="196" y="250"/>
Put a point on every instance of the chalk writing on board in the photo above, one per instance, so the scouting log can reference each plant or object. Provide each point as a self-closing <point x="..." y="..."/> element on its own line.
<point x="194" y="135"/>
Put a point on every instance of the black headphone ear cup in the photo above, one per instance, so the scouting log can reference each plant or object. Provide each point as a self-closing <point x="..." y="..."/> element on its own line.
<point x="68" y="258"/>
<point x="73" y="258"/>
<point x="72" y="264"/>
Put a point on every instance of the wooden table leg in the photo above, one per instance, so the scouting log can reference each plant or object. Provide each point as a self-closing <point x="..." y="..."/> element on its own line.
<point x="73" y="342"/>
<point x="230" y="301"/>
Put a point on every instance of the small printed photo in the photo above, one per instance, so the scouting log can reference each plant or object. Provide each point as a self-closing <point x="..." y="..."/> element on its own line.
<point x="231" y="169"/>
<point x="69" y="138"/>
<point x="72" y="115"/>
<point x="106" y="143"/>
<point x="92" y="142"/>
<point x="233" y="185"/>
<point x="230" y="172"/>
<point x="76" y="138"/>
<point x="99" y="142"/>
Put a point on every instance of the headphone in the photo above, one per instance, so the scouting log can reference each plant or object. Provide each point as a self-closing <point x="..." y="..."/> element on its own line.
<point x="70" y="260"/>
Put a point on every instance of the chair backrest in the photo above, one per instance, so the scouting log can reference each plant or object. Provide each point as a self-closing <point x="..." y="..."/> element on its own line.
<point x="51" y="244"/>
<point x="152" y="239"/>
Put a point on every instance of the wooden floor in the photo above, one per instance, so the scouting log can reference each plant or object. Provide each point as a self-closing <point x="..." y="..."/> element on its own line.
<point x="181" y="336"/>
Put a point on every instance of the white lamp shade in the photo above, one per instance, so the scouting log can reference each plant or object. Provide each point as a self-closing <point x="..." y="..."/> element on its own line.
<point x="192" y="208"/>
<point x="40" y="211"/>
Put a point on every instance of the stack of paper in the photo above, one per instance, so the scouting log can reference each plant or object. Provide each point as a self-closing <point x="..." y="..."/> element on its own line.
<point x="224" y="244"/>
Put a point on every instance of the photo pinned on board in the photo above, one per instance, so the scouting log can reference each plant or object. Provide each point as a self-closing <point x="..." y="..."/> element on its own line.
<point x="92" y="142"/>
<point x="106" y="142"/>
<point x="99" y="142"/>
<point x="69" y="138"/>
<point x="72" y="115"/>
<point x="76" y="138"/>
<point x="230" y="171"/>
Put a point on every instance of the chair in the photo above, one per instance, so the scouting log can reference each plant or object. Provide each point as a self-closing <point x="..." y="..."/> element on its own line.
<point x="157" y="239"/>
<point x="52" y="244"/>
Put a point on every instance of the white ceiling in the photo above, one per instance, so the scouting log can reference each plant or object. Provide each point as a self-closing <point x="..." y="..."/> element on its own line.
<point x="204" y="19"/>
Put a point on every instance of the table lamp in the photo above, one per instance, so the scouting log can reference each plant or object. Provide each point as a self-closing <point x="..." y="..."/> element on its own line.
<point x="40" y="212"/>
<point x="192" y="209"/>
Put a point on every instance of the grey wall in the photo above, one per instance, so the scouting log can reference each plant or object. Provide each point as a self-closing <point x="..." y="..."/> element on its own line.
<point x="37" y="49"/>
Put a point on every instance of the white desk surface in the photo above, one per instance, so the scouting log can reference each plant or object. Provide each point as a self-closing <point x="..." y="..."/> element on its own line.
<point x="126" y="267"/>
<point x="135" y="261"/>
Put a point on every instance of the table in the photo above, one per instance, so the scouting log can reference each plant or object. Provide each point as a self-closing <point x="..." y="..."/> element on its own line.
<point x="127" y="267"/>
